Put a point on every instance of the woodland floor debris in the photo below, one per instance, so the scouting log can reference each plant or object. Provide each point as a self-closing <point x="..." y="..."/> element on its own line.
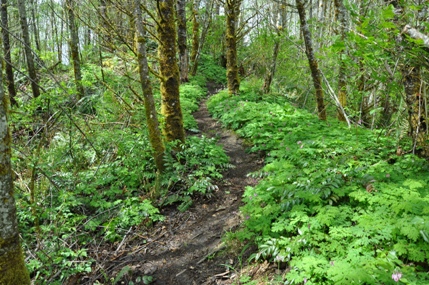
<point x="182" y="249"/>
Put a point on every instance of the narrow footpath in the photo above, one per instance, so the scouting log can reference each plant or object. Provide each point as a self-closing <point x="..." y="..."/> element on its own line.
<point x="186" y="248"/>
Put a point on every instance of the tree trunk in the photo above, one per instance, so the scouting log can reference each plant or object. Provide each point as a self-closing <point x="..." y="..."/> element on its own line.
<point x="342" y="82"/>
<point x="170" y="79"/>
<point x="272" y="69"/>
<point x="414" y="96"/>
<point x="149" y="102"/>
<point x="8" y="59"/>
<point x="74" y="49"/>
<point x="315" y="72"/>
<point x="27" y="49"/>
<point x="181" y="40"/>
<point x="416" y="109"/>
<point x="12" y="267"/>
<point x="35" y="25"/>
<point x="232" y="11"/>
<point x="195" y="39"/>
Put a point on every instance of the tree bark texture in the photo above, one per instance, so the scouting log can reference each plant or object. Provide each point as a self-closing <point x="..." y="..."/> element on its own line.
<point x="170" y="79"/>
<point x="12" y="267"/>
<point x="342" y="81"/>
<point x="149" y="102"/>
<point x="232" y="10"/>
<point x="181" y="40"/>
<point x="27" y="48"/>
<point x="10" y="81"/>
<point x="315" y="72"/>
<point x="74" y="49"/>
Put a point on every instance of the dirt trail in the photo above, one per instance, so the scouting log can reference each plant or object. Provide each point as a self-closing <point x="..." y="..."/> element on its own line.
<point x="179" y="250"/>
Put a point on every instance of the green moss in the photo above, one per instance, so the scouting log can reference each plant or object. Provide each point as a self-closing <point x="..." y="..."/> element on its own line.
<point x="12" y="266"/>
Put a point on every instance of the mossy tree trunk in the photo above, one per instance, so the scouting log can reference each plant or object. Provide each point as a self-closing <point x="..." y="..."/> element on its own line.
<point x="342" y="82"/>
<point x="182" y="39"/>
<point x="74" y="49"/>
<point x="12" y="267"/>
<point x="315" y="72"/>
<point x="10" y="81"/>
<point x="27" y="48"/>
<point x="411" y="69"/>
<point x="149" y="102"/>
<point x="232" y="11"/>
<point x="170" y="98"/>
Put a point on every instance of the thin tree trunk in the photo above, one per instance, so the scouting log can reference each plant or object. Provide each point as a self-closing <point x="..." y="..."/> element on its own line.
<point x="232" y="11"/>
<point x="35" y="26"/>
<point x="342" y="82"/>
<point x="272" y="70"/>
<point x="149" y="102"/>
<point x="74" y="49"/>
<point x="315" y="73"/>
<point x="12" y="267"/>
<point x="8" y="59"/>
<point x="416" y="109"/>
<point x="27" y="49"/>
<point x="170" y="79"/>
<point x="181" y="40"/>
<point x="195" y="39"/>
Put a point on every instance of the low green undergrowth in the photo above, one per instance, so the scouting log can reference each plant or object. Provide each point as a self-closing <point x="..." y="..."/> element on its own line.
<point x="86" y="179"/>
<point x="336" y="205"/>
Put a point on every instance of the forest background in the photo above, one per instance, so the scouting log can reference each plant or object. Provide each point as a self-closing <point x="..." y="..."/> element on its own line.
<point x="332" y="93"/>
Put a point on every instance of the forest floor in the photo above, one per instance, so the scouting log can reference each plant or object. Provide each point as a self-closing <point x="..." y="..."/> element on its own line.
<point x="187" y="247"/>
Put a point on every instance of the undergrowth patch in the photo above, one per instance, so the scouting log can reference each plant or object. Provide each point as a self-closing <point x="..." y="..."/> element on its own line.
<point x="336" y="205"/>
<point x="86" y="177"/>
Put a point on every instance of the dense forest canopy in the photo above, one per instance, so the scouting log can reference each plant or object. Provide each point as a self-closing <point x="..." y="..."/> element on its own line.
<point x="97" y="131"/>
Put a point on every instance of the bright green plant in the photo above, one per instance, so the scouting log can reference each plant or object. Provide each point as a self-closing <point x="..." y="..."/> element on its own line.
<point x="338" y="205"/>
<point x="194" y="169"/>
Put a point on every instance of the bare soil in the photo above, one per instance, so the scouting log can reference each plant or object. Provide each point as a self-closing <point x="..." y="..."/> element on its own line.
<point x="186" y="248"/>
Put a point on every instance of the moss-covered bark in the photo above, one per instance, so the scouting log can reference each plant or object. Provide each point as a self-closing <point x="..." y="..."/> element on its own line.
<point x="170" y="79"/>
<point x="12" y="267"/>
<point x="182" y="39"/>
<point x="314" y="67"/>
<point x="8" y="59"/>
<point x="149" y="102"/>
<point x="232" y="10"/>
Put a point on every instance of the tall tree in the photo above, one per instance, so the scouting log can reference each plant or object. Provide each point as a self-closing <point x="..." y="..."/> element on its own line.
<point x="195" y="37"/>
<point x="411" y="69"/>
<point x="27" y="48"/>
<point x="182" y="39"/>
<point x="6" y="46"/>
<point x="232" y="11"/>
<point x="342" y="82"/>
<point x="74" y="48"/>
<point x="170" y="79"/>
<point x="149" y="102"/>
<point x="12" y="267"/>
<point x="312" y="61"/>
<point x="35" y="24"/>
